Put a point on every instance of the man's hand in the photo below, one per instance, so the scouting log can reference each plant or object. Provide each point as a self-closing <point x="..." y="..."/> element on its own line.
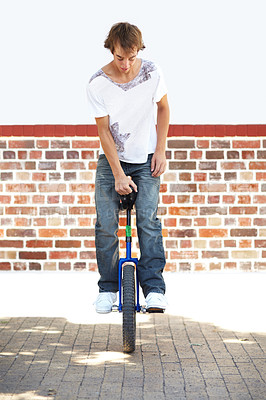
<point x="158" y="163"/>
<point x="123" y="183"/>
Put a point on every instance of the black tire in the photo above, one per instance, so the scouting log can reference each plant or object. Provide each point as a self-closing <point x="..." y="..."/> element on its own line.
<point x="129" y="311"/>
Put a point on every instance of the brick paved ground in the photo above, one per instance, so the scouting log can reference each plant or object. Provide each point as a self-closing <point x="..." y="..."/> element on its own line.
<point x="176" y="358"/>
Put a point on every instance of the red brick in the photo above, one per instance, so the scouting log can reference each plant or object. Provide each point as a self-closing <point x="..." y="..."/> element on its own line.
<point x="244" y="187"/>
<point x="68" y="243"/>
<point x="64" y="266"/>
<point x="215" y="266"/>
<point x="52" y="187"/>
<point x="20" y="187"/>
<point x="168" y="199"/>
<point x="243" y="210"/>
<point x="261" y="176"/>
<point x="260" y="221"/>
<point x="233" y="165"/>
<point x="5" y="199"/>
<point x="177" y="165"/>
<point x="81" y="232"/>
<point x="88" y="255"/>
<point x="257" y="165"/>
<point x="11" y="243"/>
<point x="248" y="154"/>
<point x="208" y="165"/>
<point x="215" y="244"/>
<point x="195" y="154"/>
<point x="170" y="222"/>
<point x="86" y="144"/>
<point x="20" y="266"/>
<point x="200" y="221"/>
<point x="32" y="255"/>
<point x="200" y="176"/>
<point x="185" y="176"/>
<point x="68" y="199"/>
<point x="87" y="154"/>
<point x="230" y="265"/>
<point x="52" y="232"/>
<point x="228" y="199"/>
<point x="54" y="155"/>
<point x="203" y="144"/>
<point x="39" y="243"/>
<point x="82" y="187"/>
<point x="180" y="155"/>
<point x="181" y="144"/>
<point x="35" y="154"/>
<point x="189" y="254"/>
<point x="246" y="144"/>
<point x="244" y="244"/>
<point x="213" y="233"/>
<point x="188" y="130"/>
<point x="185" y="244"/>
<point x="183" y="211"/>
<point x="77" y="165"/>
<point x="198" y="199"/>
<point x="244" y="221"/>
<point x="89" y="243"/>
<point x="213" y="199"/>
<point x="243" y="232"/>
<point x="56" y="255"/>
<point x="212" y="187"/>
<point x="23" y="222"/>
<point x="229" y="243"/>
<point x="183" y="187"/>
<point x="181" y="233"/>
<point x="214" y="155"/>
<point x="5" y="165"/>
<point x="5" y="266"/>
<point x="20" y="233"/>
<point x="21" y="144"/>
<point x="244" y="199"/>
<point x="42" y="144"/>
<point x="199" y="130"/>
<point x="215" y="254"/>
<point x="163" y="188"/>
<point x="82" y="210"/>
<point x="53" y="199"/>
<point x="170" y="267"/>
<point x="185" y="222"/>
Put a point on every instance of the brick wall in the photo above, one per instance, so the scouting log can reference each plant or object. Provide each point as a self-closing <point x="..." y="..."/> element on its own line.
<point x="212" y="199"/>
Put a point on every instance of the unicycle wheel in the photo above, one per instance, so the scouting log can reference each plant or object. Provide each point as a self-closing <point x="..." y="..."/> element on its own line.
<point x="129" y="310"/>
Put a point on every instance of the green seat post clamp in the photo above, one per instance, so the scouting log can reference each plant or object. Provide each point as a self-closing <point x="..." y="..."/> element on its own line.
<point x="128" y="233"/>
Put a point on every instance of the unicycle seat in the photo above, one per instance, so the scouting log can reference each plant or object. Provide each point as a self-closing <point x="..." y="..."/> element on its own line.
<point x="127" y="201"/>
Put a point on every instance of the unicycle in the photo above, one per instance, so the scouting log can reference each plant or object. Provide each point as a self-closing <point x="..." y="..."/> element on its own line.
<point x="128" y="281"/>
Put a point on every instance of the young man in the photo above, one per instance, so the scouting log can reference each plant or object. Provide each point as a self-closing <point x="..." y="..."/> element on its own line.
<point x="122" y="96"/>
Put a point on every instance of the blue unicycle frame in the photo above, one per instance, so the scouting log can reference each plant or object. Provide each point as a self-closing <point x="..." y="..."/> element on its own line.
<point x="128" y="259"/>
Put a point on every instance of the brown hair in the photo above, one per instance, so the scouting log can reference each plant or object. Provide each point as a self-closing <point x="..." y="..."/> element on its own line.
<point x="127" y="35"/>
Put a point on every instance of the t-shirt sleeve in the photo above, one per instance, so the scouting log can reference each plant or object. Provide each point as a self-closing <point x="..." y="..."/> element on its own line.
<point x="96" y="104"/>
<point x="161" y="89"/>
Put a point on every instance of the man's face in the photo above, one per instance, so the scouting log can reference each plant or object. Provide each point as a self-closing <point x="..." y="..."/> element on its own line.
<point x="124" y="60"/>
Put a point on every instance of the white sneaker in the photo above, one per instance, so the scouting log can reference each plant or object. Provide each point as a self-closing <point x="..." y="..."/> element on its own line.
<point x="156" y="302"/>
<point x="105" y="302"/>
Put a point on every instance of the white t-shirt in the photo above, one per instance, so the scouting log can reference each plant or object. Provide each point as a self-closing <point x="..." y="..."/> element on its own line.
<point x="130" y="107"/>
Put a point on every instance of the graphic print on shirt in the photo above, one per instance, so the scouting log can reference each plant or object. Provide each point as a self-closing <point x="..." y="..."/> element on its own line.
<point x="119" y="138"/>
<point x="143" y="76"/>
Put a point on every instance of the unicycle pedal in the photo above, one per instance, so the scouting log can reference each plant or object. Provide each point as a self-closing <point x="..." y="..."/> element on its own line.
<point x="155" y="310"/>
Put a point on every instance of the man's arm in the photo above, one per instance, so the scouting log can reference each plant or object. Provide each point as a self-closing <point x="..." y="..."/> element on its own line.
<point x="122" y="182"/>
<point x="158" y="163"/>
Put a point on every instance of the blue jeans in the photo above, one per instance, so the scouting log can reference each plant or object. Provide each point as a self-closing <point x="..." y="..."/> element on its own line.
<point x="152" y="257"/>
